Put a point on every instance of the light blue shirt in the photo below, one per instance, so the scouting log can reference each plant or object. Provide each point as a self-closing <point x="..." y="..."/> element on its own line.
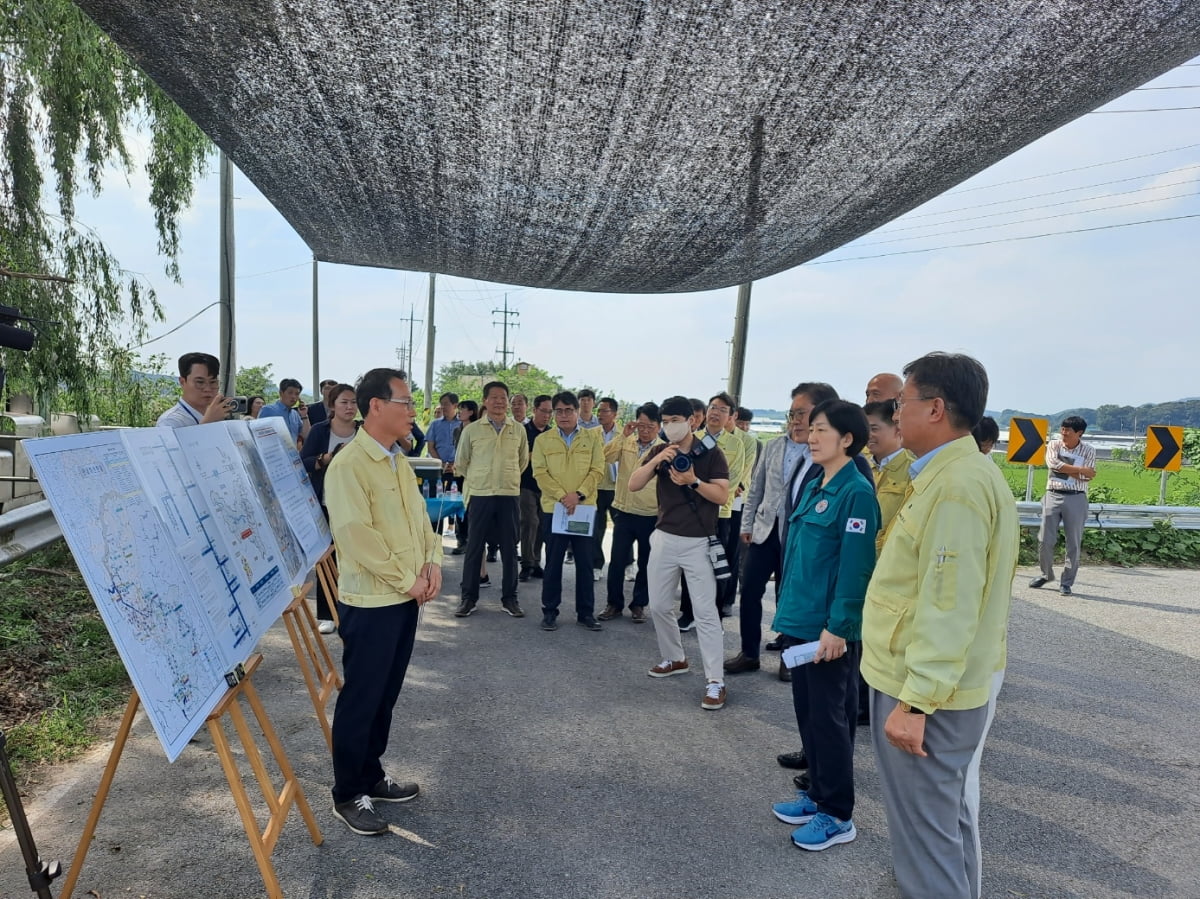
<point x="290" y="416"/>
<point x="916" y="468"/>
<point x="441" y="437"/>
<point x="567" y="438"/>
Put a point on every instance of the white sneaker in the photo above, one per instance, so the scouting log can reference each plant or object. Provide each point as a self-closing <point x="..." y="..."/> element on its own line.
<point x="326" y="627"/>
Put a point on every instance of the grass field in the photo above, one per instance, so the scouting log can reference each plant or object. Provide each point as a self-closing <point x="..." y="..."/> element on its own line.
<point x="1117" y="482"/>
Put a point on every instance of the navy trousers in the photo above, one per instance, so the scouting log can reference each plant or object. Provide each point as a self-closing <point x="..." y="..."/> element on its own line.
<point x="556" y="551"/>
<point x="377" y="645"/>
<point x="762" y="561"/>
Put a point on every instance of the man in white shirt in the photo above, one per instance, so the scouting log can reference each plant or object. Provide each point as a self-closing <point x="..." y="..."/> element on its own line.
<point x="202" y="401"/>
<point x="1072" y="465"/>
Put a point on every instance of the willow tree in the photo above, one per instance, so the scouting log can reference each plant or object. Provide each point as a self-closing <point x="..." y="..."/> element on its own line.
<point x="69" y="101"/>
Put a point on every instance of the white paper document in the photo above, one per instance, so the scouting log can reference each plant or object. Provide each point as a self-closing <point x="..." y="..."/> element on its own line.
<point x="577" y="524"/>
<point x="801" y="654"/>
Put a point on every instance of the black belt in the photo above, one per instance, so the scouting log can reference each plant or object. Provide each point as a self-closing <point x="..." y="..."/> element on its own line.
<point x="1066" y="492"/>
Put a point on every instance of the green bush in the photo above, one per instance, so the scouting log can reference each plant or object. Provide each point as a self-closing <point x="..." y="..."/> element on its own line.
<point x="1160" y="545"/>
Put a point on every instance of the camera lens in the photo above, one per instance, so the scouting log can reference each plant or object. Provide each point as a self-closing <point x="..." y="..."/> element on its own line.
<point x="682" y="463"/>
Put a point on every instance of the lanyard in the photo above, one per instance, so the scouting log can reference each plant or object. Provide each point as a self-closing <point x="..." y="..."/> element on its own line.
<point x="188" y="410"/>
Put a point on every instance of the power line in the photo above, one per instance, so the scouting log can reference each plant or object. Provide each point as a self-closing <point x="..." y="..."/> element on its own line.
<point x="1041" y="218"/>
<point x="1052" y="193"/>
<point x="177" y="327"/>
<point x="1163" y="109"/>
<point x="1080" y="168"/>
<point x="974" y="218"/>
<point x="286" y="268"/>
<point x="984" y="243"/>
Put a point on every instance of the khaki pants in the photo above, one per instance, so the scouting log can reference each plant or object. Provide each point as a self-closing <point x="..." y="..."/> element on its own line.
<point x="670" y="557"/>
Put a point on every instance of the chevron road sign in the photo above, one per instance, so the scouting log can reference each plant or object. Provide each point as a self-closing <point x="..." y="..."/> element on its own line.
<point x="1027" y="440"/>
<point x="1164" y="447"/>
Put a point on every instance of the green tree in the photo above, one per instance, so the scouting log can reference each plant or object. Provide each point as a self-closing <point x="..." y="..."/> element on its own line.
<point x="69" y="97"/>
<point x="467" y="379"/>
<point x="257" y="380"/>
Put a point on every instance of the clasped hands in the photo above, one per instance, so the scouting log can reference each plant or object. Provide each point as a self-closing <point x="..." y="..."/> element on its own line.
<point x="428" y="584"/>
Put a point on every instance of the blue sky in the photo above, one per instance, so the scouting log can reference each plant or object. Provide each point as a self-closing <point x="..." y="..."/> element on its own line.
<point x="1062" y="321"/>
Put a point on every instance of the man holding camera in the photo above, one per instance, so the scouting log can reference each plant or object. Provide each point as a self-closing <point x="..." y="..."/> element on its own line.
<point x="201" y="402"/>
<point x="692" y="479"/>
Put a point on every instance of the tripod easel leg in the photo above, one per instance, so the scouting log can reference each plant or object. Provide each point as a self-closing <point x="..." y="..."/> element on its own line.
<point x="110" y="770"/>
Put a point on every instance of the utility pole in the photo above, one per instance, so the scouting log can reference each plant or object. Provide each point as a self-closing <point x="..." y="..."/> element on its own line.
<point x="406" y="363"/>
<point x="429" y="345"/>
<point x="504" y="324"/>
<point x="228" y="332"/>
<point x="316" y="335"/>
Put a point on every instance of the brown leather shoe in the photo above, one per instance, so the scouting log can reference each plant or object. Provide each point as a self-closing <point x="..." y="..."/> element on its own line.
<point x="714" y="696"/>
<point x="637" y="614"/>
<point x="609" y="613"/>
<point x="666" y="668"/>
<point x="740" y="664"/>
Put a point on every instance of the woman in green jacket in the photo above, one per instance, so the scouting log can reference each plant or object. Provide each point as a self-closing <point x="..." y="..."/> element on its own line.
<point x="827" y="565"/>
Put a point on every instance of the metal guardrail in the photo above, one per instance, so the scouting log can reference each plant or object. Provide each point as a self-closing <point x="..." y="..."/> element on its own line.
<point x="25" y="529"/>
<point x="31" y="527"/>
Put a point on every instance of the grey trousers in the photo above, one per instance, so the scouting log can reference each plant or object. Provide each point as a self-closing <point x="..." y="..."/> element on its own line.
<point x="1071" y="509"/>
<point x="932" y="803"/>
<point x="670" y="557"/>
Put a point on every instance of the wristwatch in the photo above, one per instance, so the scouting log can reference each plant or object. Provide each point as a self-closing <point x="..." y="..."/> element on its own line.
<point x="580" y="495"/>
<point x="695" y="485"/>
<point x="911" y="709"/>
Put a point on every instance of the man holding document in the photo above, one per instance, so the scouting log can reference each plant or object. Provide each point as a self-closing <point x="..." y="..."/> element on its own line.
<point x="568" y="463"/>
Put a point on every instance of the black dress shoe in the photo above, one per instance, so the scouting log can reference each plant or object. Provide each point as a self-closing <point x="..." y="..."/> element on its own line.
<point x="590" y="623"/>
<point x="785" y="673"/>
<point x="1038" y="581"/>
<point x="740" y="664"/>
<point x="802" y="781"/>
<point x="797" y="760"/>
<point x="491" y="555"/>
<point x="774" y="645"/>
<point x="537" y="571"/>
<point x="524" y="575"/>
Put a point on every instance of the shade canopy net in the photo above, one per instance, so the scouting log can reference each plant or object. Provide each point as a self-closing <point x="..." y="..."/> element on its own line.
<point x="628" y="145"/>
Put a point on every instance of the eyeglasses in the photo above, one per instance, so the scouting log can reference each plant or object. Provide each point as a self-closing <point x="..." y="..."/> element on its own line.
<point x="567" y="411"/>
<point x="205" y="382"/>
<point x="901" y="400"/>
<point x="798" y="414"/>
<point x="724" y="410"/>
<point x="403" y="402"/>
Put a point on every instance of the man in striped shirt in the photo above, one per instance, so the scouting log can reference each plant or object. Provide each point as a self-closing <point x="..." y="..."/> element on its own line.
<point x="1072" y="465"/>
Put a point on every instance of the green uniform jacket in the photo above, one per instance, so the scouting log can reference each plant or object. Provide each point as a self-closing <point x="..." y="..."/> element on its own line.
<point x="935" y="624"/>
<point x="829" y="558"/>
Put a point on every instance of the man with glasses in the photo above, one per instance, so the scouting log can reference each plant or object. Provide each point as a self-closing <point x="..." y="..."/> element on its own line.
<point x="531" y="495"/>
<point x="568" y="463"/>
<point x="389" y="564"/>
<point x="201" y="401"/>
<point x="634" y="515"/>
<point x="606" y="413"/>
<point x="935" y="624"/>
<point x="492" y="452"/>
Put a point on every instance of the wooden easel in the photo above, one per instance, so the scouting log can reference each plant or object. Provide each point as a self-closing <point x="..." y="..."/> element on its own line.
<point x="316" y="664"/>
<point x="262" y="843"/>
<point x="327" y="576"/>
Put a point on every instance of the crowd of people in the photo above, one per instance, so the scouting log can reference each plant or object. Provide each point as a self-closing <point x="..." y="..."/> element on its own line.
<point x="891" y="538"/>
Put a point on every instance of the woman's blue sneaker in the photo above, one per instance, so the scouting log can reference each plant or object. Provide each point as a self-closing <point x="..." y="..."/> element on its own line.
<point x="822" y="832"/>
<point x="800" y="811"/>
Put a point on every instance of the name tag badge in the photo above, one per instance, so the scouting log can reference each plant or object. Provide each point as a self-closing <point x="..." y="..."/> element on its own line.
<point x="822" y="505"/>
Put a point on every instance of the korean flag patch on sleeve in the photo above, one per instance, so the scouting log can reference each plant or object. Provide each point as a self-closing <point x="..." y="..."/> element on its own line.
<point x="856" y="525"/>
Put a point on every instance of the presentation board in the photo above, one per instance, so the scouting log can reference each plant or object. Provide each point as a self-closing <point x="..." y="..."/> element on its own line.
<point x="190" y="541"/>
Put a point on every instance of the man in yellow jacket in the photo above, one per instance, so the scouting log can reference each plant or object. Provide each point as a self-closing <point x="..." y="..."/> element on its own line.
<point x="389" y="564"/>
<point x="568" y="464"/>
<point x="935" y="627"/>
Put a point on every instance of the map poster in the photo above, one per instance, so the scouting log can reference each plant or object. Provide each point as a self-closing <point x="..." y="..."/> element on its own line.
<point x="131" y="565"/>
<point x="290" y="480"/>
<point x="222" y="574"/>
<point x="238" y="493"/>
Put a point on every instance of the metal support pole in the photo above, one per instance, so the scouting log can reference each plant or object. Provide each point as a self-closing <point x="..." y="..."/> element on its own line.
<point x="40" y="872"/>
<point x="316" y="338"/>
<point x="1028" y="483"/>
<point x="737" y="359"/>
<point x="228" y="353"/>
<point x="429" y="345"/>
<point x="1162" y="488"/>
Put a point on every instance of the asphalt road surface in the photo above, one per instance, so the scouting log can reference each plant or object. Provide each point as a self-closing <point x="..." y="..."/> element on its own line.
<point x="552" y="766"/>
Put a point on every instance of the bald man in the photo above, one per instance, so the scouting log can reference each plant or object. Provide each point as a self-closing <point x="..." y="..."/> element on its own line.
<point x="884" y="386"/>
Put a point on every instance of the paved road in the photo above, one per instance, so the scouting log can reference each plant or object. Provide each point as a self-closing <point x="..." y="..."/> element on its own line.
<point x="551" y="766"/>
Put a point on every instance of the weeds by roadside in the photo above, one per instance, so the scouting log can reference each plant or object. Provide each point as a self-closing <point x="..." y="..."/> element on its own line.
<point x="59" y="671"/>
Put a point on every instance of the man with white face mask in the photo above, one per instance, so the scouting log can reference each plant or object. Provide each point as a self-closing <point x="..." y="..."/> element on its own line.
<point x="692" y="487"/>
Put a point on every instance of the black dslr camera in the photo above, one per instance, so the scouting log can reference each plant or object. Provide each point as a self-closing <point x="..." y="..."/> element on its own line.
<point x="683" y="461"/>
